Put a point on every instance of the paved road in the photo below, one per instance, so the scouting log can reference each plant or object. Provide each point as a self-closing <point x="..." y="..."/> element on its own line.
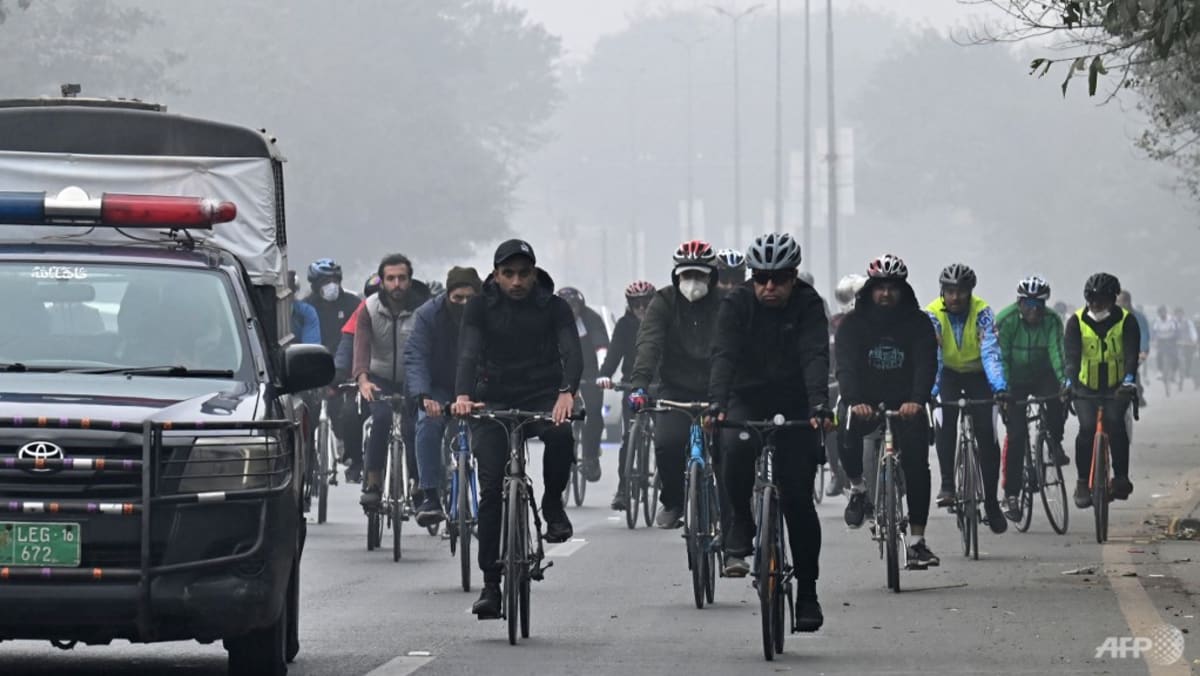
<point x="619" y="601"/>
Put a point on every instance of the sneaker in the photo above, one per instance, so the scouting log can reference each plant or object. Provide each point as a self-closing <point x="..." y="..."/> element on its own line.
<point x="1083" y="494"/>
<point x="430" y="512"/>
<point x="1059" y="457"/>
<point x="669" y="518"/>
<point x="808" y="613"/>
<point x="857" y="509"/>
<point x="371" y="497"/>
<point x="1121" y="488"/>
<point x="558" y="526"/>
<point x="835" y="487"/>
<point x="945" y="497"/>
<point x="591" y="469"/>
<point x="919" y="555"/>
<point x="619" y="502"/>
<point x="488" y="605"/>
<point x="736" y="566"/>
<point x="1012" y="508"/>
<point x="995" y="517"/>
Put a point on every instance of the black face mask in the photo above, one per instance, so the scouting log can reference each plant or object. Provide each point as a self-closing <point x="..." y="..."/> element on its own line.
<point x="456" y="312"/>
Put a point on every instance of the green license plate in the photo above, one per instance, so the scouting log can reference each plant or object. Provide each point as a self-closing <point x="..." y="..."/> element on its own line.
<point x="39" y="544"/>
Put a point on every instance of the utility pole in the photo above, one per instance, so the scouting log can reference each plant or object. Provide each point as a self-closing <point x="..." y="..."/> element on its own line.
<point x="807" y="238"/>
<point x="833" y="156"/>
<point x="736" y="18"/>
<point x="778" y="115"/>
<point x="688" y="46"/>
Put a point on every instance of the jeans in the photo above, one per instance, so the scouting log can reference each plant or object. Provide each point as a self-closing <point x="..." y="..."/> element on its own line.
<point x="430" y="435"/>
<point x="489" y="443"/>
<point x="593" y="426"/>
<point x="1018" y="429"/>
<point x="1114" y="425"/>
<point x="968" y="386"/>
<point x="796" y="455"/>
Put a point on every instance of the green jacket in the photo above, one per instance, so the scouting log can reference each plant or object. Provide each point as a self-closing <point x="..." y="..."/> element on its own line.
<point x="1031" y="353"/>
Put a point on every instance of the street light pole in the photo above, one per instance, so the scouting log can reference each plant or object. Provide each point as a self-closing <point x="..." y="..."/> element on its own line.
<point x="778" y="115"/>
<point x="736" y="18"/>
<point x="688" y="46"/>
<point x="807" y="239"/>
<point x="833" y="156"/>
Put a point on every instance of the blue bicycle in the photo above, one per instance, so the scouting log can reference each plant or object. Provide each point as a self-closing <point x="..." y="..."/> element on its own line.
<point x="701" y="509"/>
<point x="463" y="500"/>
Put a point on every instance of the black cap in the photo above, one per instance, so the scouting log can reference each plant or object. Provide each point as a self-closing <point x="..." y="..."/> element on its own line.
<point x="514" y="247"/>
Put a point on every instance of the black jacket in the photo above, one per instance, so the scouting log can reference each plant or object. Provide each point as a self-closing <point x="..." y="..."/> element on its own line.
<point x="623" y="348"/>
<point x="675" y="341"/>
<point x="1131" y="341"/>
<point x="888" y="357"/>
<point x="596" y="339"/>
<point x="762" y="353"/>
<point x="518" y="352"/>
<point x="333" y="316"/>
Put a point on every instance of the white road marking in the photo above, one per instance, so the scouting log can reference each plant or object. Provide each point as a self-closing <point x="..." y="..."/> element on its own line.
<point x="401" y="666"/>
<point x="565" y="549"/>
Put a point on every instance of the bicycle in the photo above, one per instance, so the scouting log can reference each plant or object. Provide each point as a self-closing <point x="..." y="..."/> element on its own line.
<point x="520" y="559"/>
<point x="1040" y="473"/>
<point x="968" y="478"/>
<point x="701" y="508"/>
<point x="578" y="483"/>
<point x="394" y="508"/>
<point x="772" y="572"/>
<point x="462" y="508"/>
<point x="641" y="476"/>
<point x="890" y="527"/>
<point x="1100" y="473"/>
<point x="323" y="471"/>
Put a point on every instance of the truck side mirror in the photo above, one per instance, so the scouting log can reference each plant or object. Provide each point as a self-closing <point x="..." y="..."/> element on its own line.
<point x="306" y="367"/>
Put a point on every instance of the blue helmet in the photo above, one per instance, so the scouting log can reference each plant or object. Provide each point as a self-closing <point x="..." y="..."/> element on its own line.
<point x="324" y="268"/>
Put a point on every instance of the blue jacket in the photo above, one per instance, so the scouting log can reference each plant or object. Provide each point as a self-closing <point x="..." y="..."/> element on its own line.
<point x="989" y="347"/>
<point x="306" y="327"/>
<point x="431" y="353"/>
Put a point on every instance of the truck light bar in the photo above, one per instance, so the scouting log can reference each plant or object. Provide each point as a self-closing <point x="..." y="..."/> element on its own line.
<point x="73" y="206"/>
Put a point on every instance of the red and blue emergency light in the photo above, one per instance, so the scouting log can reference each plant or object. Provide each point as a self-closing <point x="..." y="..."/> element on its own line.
<point x="73" y="206"/>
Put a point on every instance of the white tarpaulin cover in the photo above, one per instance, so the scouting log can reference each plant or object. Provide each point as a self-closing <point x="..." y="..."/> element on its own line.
<point x="247" y="182"/>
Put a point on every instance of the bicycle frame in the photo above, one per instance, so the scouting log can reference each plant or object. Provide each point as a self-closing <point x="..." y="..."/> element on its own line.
<point x="462" y="456"/>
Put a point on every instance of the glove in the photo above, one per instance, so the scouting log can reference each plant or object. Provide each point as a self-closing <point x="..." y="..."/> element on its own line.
<point x="638" y="400"/>
<point x="604" y="383"/>
<point x="714" y="411"/>
<point x="821" y="412"/>
<point x="1127" y="391"/>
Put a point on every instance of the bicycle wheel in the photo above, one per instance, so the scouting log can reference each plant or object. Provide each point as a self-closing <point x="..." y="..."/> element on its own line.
<point x="651" y="483"/>
<point x="783" y="591"/>
<point x="633" y="475"/>
<point x="713" y="530"/>
<point x="819" y="484"/>
<point x="976" y="502"/>
<point x="767" y="564"/>
<point x="513" y="557"/>
<point x="396" y="498"/>
<point x="961" y="503"/>
<point x="463" y="522"/>
<point x="1054" y="491"/>
<point x="524" y="580"/>
<point x="1029" y="484"/>
<point x="374" y="530"/>
<point x="693" y="523"/>
<point x="891" y="523"/>
<point x="1100" y="486"/>
<point x="578" y="480"/>
<point x="324" y="441"/>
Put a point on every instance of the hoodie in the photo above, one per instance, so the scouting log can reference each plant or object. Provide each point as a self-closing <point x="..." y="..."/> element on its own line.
<point x="675" y="341"/>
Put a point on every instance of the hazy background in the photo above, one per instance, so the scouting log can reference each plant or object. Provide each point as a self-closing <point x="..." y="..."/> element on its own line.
<point x="438" y="127"/>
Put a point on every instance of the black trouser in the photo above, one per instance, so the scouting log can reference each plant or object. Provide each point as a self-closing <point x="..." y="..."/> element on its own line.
<point x="797" y="452"/>
<point x="912" y="440"/>
<point x="1114" y="425"/>
<point x="593" y="425"/>
<point x="968" y="386"/>
<point x="347" y="422"/>
<point x="1018" y="428"/>
<point x="489" y="443"/>
<point x="626" y="421"/>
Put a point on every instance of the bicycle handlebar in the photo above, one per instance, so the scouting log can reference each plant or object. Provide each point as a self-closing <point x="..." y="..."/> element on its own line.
<point x="778" y="422"/>
<point x="686" y="406"/>
<point x="522" y="416"/>
<point x="963" y="403"/>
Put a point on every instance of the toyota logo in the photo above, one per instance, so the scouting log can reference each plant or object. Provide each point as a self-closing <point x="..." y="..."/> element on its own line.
<point x="40" y="450"/>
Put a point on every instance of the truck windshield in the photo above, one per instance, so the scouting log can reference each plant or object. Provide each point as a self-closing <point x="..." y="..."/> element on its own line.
<point x="115" y="317"/>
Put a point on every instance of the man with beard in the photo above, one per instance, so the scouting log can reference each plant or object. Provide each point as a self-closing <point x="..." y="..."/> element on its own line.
<point x="383" y="329"/>
<point x="430" y="364"/>
<point x="887" y="354"/>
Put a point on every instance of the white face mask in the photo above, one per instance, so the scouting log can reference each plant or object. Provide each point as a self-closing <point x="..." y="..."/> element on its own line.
<point x="330" y="291"/>
<point x="1099" y="316"/>
<point x="693" y="289"/>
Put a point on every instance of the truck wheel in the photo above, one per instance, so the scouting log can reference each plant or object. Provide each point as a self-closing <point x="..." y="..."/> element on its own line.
<point x="263" y="652"/>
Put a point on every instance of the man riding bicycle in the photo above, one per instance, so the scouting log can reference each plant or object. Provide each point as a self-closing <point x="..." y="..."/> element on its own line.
<point x="969" y="366"/>
<point x="1101" y="345"/>
<point x="771" y="357"/>
<point x="886" y="353"/>
<point x="731" y="270"/>
<point x="675" y="343"/>
<point x="623" y="351"/>
<point x="1031" y="350"/>
<point x="430" y="366"/>
<point x="379" y="339"/>
<point x="845" y="292"/>
<point x="593" y="340"/>
<point x="519" y="348"/>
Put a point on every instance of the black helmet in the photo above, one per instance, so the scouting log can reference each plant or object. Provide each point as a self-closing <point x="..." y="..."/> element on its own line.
<point x="958" y="274"/>
<point x="1101" y="285"/>
<point x="571" y="295"/>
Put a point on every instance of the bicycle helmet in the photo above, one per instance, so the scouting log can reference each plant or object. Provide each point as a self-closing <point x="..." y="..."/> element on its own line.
<point x="958" y="274"/>
<point x="572" y="295"/>
<point x="731" y="259"/>
<point x="888" y="266"/>
<point x="1033" y="287"/>
<point x="1101" y="285"/>
<point x="695" y="254"/>
<point x="773" y="252"/>
<point x="324" y="268"/>
<point x="372" y="285"/>
<point x="848" y="287"/>
<point x="639" y="289"/>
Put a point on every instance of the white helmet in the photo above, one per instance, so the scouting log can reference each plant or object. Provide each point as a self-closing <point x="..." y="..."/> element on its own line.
<point x="847" y="288"/>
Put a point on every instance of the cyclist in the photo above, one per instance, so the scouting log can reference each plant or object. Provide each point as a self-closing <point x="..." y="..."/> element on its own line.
<point x="969" y="366"/>
<point x="888" y="354"/>
<point x="306" y="327"/>
<point x="845" y="292"/>
<point x="623" y="351"/>
<point x="1165" y="332"/>
<point x="349" y="423"/>
<point x="1187" y="347"/>
<point x="1125" y="300"/>
<point x="674" y="342"/>
<point x="379" y="339"/>
<point x="1101" y="344"/>
<point x="731" y="270"/>
<point x="333" y="304"/>
<point x="771" y="356"/>
<point x="430" y="362"/>
<point x="593" y="338"/>
<point x="1031" y="350"/>
<point x="519" y="348"/>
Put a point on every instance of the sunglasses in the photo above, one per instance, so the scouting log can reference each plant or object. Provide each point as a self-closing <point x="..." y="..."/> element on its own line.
<point x="1032" y="303"/>
<point x="780" y="277"/>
